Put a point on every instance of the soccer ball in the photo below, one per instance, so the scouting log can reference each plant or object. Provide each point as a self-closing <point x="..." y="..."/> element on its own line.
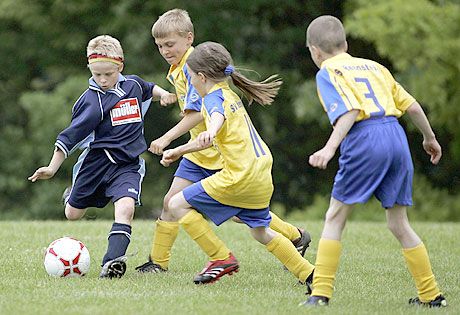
<point x="67" y="257"/>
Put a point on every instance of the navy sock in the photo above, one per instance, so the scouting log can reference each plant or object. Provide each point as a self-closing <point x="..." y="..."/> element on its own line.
<point x="119" y="238"/>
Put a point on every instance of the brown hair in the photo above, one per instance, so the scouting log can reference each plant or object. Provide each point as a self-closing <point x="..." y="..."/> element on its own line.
<point x="215" y="62"/>
<point x="327" y="33"/>
<point x="173" y="21"/>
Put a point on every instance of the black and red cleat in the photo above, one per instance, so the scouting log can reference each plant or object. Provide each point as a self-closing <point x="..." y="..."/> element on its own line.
<point x="215" y="269"/>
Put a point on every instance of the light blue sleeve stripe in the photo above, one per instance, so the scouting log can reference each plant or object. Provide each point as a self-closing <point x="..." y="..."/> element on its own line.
<point x="193" y="100"/>
<point x="333" y="102"/>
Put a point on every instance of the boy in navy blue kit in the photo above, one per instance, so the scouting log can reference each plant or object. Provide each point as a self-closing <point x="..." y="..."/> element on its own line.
<point x="108" y="117"/>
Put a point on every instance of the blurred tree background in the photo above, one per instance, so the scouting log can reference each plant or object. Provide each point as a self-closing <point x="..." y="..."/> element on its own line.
<point x="42" y="57"/>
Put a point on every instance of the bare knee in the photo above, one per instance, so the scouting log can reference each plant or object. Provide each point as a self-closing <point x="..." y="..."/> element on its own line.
<point x="73" y="214"/>
<point x="124" y="210"/>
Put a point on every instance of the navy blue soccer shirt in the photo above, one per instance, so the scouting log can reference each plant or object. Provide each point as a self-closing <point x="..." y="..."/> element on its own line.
<point x="111" y="120"/>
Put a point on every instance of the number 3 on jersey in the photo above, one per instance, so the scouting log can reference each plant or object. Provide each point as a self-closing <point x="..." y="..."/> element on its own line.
<point x="371" y="96"/>
<point x="255" y="138"/>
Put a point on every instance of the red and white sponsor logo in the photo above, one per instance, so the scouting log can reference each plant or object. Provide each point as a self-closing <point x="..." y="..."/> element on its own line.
<point x="126" y="111"/>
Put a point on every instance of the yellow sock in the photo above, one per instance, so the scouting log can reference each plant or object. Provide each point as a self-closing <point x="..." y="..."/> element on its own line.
<point x="200" y="231"/>
<point x="163" y="239"/>
<point x="283" y="249"/>
<point x="327" y="262"/>
<point x="418" y="262"/>
<point x="284" y="228"/>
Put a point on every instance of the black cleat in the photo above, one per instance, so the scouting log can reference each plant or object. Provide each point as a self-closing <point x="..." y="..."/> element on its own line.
<point x="439" y="301"/>
<point x="150" y="267"/>
<point x="309" y="282"/>
<point x="114" y="268"/>
<point x="315" y="301"/>
<point x="66" y="195"/>
<point x="303" y="242"/>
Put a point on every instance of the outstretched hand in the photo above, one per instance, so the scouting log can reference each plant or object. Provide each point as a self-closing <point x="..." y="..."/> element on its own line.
<point x="44" y="172"/>
<point x="433" y="149"/>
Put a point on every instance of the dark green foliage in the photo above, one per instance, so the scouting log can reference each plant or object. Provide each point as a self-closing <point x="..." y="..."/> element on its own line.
<point x="44" y="71"/>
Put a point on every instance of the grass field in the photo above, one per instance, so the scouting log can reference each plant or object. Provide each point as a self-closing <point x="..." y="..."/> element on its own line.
<point x="372" y="277"/>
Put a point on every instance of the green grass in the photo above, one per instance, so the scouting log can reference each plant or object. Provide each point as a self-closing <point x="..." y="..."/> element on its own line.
<point x="372" y="277"/>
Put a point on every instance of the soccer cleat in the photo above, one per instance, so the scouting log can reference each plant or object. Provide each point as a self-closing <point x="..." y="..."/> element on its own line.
<point x="66" y="195"/>
<point x="114" y="268"/>
<point x="309" y="282"/>
<point x="216" y="269"/>
<point x="302" y="243"/>
<point x="315" y="301"/>
<point x="439" y="301"/>
<point x="150" y="267"/>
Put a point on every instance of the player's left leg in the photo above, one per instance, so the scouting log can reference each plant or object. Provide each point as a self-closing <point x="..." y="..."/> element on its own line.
<point x="416" y="257"/>
<point x="286" y="253"/>
<point x="114" y="261"/>
<point x="72" y="213"/>
<point x="299" y="237"/>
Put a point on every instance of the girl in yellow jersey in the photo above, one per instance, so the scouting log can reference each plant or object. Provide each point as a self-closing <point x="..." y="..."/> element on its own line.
<point x="244" y="187"/>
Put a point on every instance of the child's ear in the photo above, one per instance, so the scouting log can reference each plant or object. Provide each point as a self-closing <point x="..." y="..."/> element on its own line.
<point x="121" y="67"/>
<point x="202" y="77"/>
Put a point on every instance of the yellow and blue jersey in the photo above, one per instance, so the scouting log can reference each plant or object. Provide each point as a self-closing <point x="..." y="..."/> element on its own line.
<point x="345" y="83"/>
<point x="245" y="180"/>
<point x="189" y="99"/>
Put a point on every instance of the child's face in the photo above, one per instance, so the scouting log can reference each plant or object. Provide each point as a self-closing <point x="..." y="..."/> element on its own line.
<point x="105" y="74"/>
<point x="174" y="46"/>
<point x="198" y="81"/>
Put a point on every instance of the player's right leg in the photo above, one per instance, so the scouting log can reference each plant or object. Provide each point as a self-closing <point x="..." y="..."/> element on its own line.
<point x="72" y="213"/>
<point x="416" y="257"/>
<point x="329" y="251"/>
<point x="165" y="233"/>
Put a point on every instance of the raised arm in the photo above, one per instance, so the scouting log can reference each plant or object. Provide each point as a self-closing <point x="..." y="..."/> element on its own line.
<point x="165" y="97"/>
<point x="430" y="144"/>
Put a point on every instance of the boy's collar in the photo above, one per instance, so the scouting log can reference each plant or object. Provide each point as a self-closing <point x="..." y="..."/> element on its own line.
<point x="339" y="56"/>
<point x="174" y="70"/>
<point x="93" y="85"/>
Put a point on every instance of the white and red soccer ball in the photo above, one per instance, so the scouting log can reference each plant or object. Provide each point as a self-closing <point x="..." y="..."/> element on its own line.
<point x="67" y="257"/>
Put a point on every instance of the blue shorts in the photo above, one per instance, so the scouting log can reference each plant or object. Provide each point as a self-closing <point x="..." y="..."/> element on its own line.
<point x="375" y="160"/>
<point x="192" y="172"/>
<point x="96" y="180"/>
<point x="219" y="213"/>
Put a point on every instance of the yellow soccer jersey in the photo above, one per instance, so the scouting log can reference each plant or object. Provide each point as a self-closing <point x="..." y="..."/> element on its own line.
<point x="345" y="83"/>
<point x="246" y="179"/>
<point x="189" y="99"/>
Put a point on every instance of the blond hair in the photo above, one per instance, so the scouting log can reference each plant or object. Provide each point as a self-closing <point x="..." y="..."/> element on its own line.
<point x="327" y="33"/>
<point x="173" y="21"/>
<point x="215" y="62"/>
<point x="105" y="45"/>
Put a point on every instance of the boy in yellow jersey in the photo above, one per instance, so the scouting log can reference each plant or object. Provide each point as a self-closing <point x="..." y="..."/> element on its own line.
<point x="243" y="188"/>
<point x="173" y="33"/>
<point x="363" y="102"/>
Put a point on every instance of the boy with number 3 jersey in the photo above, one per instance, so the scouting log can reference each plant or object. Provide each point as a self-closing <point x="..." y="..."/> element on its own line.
<point x="363" y="102"/>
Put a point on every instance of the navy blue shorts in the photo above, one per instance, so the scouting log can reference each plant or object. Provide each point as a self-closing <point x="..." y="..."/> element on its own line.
<point x="96" y="180"/>
<point x="375" y="160"/>
<point x="219" y="213"/>
<point x="192" y="172"/>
